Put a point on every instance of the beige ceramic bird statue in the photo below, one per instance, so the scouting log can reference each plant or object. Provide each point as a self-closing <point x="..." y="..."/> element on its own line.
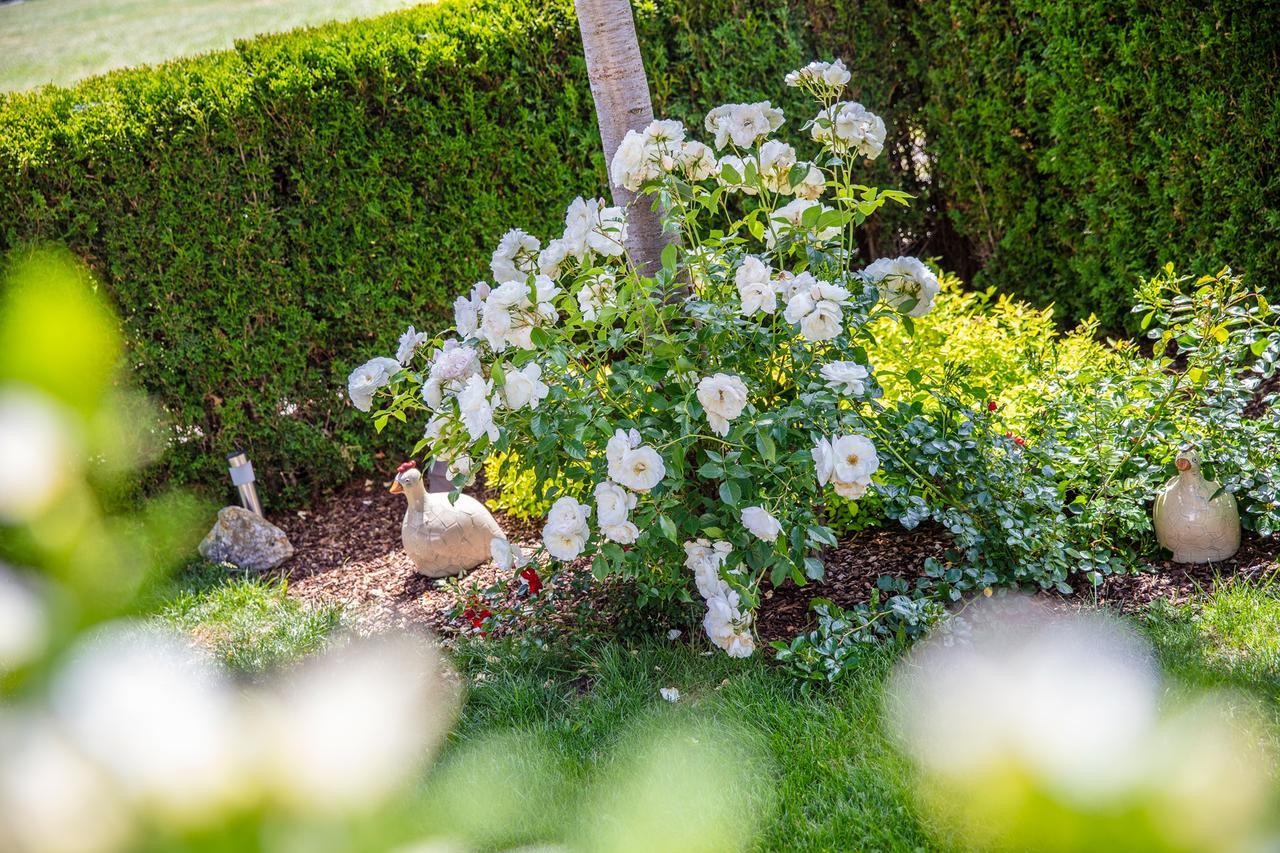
<point x="1190" y="521"/>
<point x="442" y="538"/>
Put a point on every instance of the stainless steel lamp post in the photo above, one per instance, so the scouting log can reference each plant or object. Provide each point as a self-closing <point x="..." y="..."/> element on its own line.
<point x="242" y="478"/>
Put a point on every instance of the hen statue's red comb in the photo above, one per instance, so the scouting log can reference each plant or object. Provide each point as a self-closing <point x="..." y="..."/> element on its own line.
<point x="406" y="466"/>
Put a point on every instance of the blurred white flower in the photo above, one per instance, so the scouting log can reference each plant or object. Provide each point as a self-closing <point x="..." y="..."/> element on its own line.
<point x="363" y="382"/>
<point x="644" y="155"/>
<point x="158" y="718"/>
<point x="52" y="798"/>
<point x="515" y="257"/>
<point x="849" y="127"/>
<point x="24" y="628"/>
<point x="637" y="466"/>
<point x="743" y="124"/>
<point x="674" y="634"/>
<point x="906" y="284"/>
<point x="761" y="523"/>
<point x="524" y="387"/>
<point x="409" y="343"/>
<point x="755" y="286"/>
<point x="350" y="727"/>
<point x="847" y="462"/>
<point x="671" y="694"/>
<point x="847" y="377"/>
<point x="723" y="397"/>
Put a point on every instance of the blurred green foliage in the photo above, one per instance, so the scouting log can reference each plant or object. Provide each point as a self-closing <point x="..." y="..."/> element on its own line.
<point x="263" y="217"/>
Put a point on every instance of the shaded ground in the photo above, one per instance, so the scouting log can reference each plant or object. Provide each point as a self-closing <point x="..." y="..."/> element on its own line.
<point x="349" y="554"/>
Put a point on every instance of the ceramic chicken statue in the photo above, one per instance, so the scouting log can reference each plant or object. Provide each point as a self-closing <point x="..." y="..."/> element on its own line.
<point x="442" y="538"/>
<point x="1196" y="526"/>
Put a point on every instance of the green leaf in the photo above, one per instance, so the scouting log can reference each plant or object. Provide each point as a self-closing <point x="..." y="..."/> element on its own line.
<point x="668" y="528"/>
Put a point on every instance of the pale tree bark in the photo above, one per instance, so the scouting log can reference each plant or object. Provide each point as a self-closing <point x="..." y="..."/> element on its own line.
<point x="620" y="90"/>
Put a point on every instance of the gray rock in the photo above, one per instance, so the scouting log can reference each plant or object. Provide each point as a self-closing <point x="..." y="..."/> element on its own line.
<point x="247" y="540"/>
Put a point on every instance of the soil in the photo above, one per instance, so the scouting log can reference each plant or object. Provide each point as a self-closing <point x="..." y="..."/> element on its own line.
<point x="348" y="552"/>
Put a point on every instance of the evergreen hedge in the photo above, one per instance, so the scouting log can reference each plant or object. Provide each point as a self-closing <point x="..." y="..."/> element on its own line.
<point x="266" y="217"/>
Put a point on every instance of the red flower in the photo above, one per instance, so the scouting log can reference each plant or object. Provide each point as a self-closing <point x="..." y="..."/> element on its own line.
<point x="530" y="574"/>
<point x="1019" y="440"/>
<point x="477" y="617"/>
<point x="992" y="405"/>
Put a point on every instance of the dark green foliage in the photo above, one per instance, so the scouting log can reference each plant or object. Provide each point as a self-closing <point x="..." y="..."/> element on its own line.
<point x="1082" y="145"/>
<point x="266" y="218"/>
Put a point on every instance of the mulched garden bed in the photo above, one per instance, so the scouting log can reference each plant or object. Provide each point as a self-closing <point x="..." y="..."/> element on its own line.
<point x="348" y="552"/>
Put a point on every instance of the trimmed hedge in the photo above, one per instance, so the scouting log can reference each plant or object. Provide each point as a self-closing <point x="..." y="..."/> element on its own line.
<point x="265" y="218"/>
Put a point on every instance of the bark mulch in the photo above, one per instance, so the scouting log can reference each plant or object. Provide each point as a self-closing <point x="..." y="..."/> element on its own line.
<point x="348" y="552"/>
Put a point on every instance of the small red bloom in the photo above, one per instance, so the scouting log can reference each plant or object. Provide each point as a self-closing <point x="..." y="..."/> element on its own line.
<point x="992" y="405"/>
<point x="1019" y="440"/>
<point x="530" y="574"/>
<point x="477" y="617"/>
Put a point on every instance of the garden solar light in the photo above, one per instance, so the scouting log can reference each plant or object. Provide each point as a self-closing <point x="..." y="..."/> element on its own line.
<point x="242" y="477"/>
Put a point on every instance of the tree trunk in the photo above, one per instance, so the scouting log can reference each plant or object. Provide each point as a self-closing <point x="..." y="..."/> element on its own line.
<point x="620" y="90"/>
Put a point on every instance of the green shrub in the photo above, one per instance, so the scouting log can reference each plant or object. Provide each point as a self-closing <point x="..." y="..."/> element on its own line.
<point x="260" y="215"/>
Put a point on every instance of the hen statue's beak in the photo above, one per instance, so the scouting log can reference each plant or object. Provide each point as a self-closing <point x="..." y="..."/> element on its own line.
<point x="396" y="488"/>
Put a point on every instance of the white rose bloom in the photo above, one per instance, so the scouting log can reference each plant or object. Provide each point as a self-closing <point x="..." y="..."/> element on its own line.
<point x="634" y="163"/>
<point x="366" y="379"/>
<point x="847" y="462"/>
<point x="551" y="259"/>
<point x="451" y="366"/>
<point x="507" y="556"/>
<point x="847" y="377"/>
<point x="435" y="428"/>
<point x="743" y="124"/>
<point x="738" y="167"/>
<point x="697" y="160"/>
<point x="466" y="310"/>
<point x="40" y="451"/>
<point x="818" y="310"/>
<point x="727" y="627"/>
<point x="705" y="560"/>
<point x="723" y="397"/>
<point x="609" y="233"/>
<point x="460" y="467"/>
<point x="631" y="464"/>
<point x="613" y="503"/>
<point x="664" y="132"/>
<point x="515" y="257"/>
<point x="599" y="292"/>
<point x="761" y="523"/>
<point x="477" y="409"/>
<point x="624" y="534"/>
<point x="524" y="387"/>
<point x="642" y="469"/>
<point x="755" y="286"/>
<point x="850" y="127"/>
<point x="776" y="160"/>
<point x="409" y="343"/>
<point x="789" y="219"/>
<point x="822" y="77"/>
<point x="812" y="185"/>
<point x="566" y="531"/>
<point x="904" y="282"/>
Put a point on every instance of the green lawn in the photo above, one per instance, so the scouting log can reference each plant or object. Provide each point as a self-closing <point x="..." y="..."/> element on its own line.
<point x="61" y="41"/>
<point x="830" y="775"/>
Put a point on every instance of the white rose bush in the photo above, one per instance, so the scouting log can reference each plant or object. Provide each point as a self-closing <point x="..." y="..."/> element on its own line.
<point x="686" y="426"/>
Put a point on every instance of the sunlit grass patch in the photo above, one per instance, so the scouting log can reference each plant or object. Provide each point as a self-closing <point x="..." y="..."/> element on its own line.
<point x="248" y="623"/>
